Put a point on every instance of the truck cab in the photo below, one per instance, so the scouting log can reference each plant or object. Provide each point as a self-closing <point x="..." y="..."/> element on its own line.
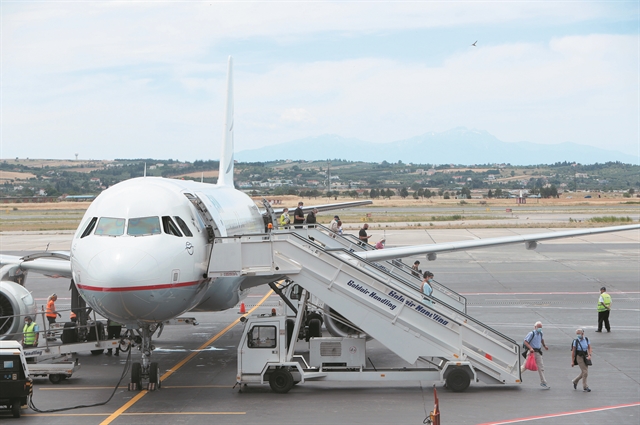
<point x="16" y="386"/>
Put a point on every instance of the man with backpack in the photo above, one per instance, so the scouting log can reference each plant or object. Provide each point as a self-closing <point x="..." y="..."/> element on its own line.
<point x="534" y="342"/>
<point x="581" y="356"/>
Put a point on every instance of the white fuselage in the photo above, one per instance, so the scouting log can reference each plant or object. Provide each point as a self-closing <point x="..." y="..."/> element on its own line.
<point x="141" y="252"/>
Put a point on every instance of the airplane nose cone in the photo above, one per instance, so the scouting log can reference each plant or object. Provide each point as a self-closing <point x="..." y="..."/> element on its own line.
<point x="123" y="267"/>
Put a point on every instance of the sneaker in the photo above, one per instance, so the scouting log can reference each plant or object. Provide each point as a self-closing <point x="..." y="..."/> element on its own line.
<point x="599" y="331"/>
<point x="587" y="390"/>
<point x="575" y="385"/>
<point x="545" y="386"/>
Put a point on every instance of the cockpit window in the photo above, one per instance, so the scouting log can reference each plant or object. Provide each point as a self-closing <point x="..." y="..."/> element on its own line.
<point x="108" y="226"/>
<point x="90" y="227"/>
<point x="183" y="226"/>
<point x="170" y="227"/>
<point x="142" y="226"/>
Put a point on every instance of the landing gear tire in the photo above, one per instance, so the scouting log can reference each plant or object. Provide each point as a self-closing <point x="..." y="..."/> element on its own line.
<point x="281" y="381"/>
<point x="136" y="375"/>
<point x="15" y="407"/>
<point x="154" y="375"/>
<point x="458" y="380"/>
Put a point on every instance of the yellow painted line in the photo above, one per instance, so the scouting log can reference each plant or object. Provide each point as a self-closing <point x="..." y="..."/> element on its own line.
<point x="135" y="414"/>
<point x="134" y="400"/>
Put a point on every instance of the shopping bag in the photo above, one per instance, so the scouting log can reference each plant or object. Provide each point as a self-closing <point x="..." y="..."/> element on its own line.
<point x="531" y="362"/>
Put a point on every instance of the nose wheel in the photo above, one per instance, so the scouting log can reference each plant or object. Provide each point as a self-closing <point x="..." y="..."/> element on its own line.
<point x="146" y="370"/>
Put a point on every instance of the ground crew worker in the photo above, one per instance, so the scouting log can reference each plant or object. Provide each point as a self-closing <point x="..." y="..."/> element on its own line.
<point x="29" y="333"/>
<point x="604" y="308"/>
<point x="51" y="312"/>
<point x="113" y="331"/>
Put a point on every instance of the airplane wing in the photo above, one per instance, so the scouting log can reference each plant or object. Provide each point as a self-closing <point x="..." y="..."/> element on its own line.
<point x="530" y="241"/>
<point x="327" y="207"/>
<point x="54" y="264"/>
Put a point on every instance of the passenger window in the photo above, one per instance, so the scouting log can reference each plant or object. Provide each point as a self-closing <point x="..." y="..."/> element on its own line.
<point x="262" y="337"/>
<point x="170" y="227"/>
<point x="183" y="226"/>
<point x="108" y="226"/>
<point x="89" y="228"/>
<point x="143" y="226"/>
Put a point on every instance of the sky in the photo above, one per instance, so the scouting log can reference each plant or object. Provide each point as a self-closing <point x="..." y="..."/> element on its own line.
<point x="112" y="79"/>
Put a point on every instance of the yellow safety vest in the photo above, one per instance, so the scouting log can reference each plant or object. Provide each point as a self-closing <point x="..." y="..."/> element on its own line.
<point x="29" y="334"/>
<point x="606" y="298"/>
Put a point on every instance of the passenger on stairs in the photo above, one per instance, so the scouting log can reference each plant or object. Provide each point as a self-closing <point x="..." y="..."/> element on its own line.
<point x="426" y="283"/>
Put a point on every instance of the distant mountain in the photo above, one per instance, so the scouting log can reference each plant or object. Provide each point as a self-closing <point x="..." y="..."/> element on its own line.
<point x="458" y="146"/>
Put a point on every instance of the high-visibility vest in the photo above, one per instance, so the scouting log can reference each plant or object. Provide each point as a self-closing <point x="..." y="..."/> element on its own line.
<point x="606" y="298"/>
<point x="29" y="334"/>
<point x="51" y="307"/>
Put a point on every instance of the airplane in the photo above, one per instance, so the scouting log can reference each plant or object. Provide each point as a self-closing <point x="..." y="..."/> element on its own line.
<point x="140" y="255"/>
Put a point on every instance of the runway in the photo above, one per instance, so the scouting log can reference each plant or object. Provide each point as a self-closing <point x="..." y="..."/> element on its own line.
<point x="508" y="288"/>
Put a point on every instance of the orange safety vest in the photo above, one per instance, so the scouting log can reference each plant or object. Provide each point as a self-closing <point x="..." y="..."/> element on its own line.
<point x="51" y="307"/>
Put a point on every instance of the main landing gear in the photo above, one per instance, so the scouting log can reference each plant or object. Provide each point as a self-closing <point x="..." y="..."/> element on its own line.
<point x="147" y="371"/>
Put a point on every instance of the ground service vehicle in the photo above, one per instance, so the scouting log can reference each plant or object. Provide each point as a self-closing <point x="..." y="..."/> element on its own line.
<point x="16" y="386"/>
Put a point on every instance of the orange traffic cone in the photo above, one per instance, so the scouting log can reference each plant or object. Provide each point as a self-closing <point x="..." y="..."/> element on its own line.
<point x="243" y="309"/>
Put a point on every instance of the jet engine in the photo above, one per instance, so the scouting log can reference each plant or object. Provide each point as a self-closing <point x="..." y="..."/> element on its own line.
<point x="15" y="303"/>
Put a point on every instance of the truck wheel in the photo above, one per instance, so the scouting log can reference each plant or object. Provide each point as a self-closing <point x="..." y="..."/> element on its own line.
<point x="154" y="374"/>
<point x="15" y="407"/>
<point x="281" y="381"/>
<point x="458" y="380"/>
<point x="315" y="328"/>
<point x="55" y="378"/>
<point x="312" y="316"/>
<point x="136" y="374"/>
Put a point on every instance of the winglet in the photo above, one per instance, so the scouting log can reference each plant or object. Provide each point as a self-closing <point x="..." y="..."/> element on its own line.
<point x="225" y="177"/>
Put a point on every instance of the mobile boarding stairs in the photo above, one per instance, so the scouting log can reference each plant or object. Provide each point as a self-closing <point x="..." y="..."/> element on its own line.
<point x="383" y="299"/>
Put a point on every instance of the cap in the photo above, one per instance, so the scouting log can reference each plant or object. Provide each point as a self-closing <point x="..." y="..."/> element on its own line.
<point x="603" y="289"/>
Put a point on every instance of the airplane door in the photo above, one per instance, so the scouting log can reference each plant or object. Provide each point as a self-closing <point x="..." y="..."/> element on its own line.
<point x="270" y="216"/>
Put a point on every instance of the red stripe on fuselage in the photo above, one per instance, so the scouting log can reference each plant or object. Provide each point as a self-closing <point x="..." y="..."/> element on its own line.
<point x="139" y="288"/>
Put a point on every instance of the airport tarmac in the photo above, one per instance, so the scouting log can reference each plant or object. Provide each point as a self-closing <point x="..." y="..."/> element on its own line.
<point x="508" y="288"/>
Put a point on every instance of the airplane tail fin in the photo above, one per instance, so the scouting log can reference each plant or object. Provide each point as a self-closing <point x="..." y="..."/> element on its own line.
<point x="225" y="177"/>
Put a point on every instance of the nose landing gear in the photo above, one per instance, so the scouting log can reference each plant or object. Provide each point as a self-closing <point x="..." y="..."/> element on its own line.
<point x="146" y="371"/>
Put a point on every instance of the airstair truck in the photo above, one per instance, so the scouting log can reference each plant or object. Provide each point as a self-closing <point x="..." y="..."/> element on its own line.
<point x="16" y="386"/>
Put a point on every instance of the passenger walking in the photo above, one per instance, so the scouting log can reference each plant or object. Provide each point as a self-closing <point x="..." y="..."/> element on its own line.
<point x="29" y="333"/>
<point x="298" y="215"/>
<point x="581" y="356"/>
<point x="534" y="341"/>
<point x="604" y="308"/>
<point x="426" y="283"/>
<point x="311" y="217"/>
<point x="380" y="244"/>
<point x="333" y="226"/>
<point x="284" y="220"/>
<point x="113" y="332"/>
<point x="51" y="312"/>
<point x="362" y="235"/>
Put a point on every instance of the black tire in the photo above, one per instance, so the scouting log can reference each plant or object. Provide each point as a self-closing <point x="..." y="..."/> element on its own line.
<point x="314" y="315"/>
<point x="136" y="374"/>
<point x="97" y="352"/>
<point x="56" y="378"/>
<point x="281" y="381"/>
<point x="154" y="374"/>
<point x="458" y="380"/>
<point x="315" y="328"/>
<point x="69" y="334"/>
<point x="15" y="407"/>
